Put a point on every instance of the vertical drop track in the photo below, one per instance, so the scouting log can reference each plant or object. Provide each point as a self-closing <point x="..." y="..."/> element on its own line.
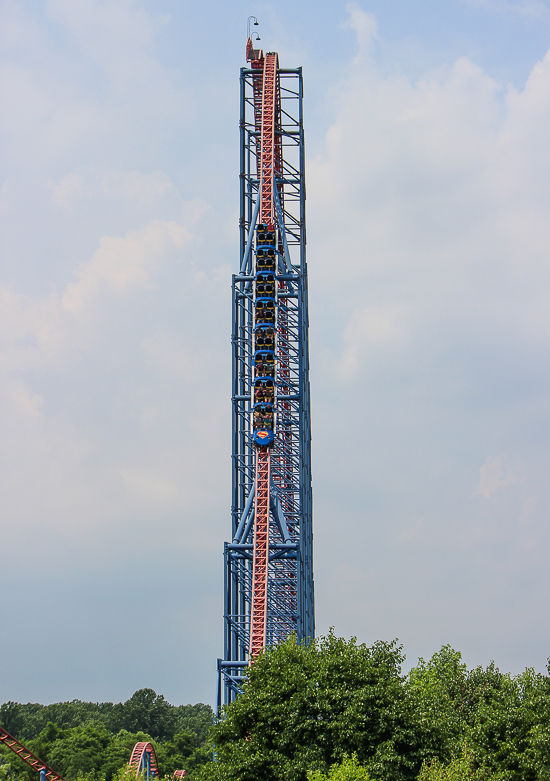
<point x="260" y="551"/>
<point x="268" y="564"/>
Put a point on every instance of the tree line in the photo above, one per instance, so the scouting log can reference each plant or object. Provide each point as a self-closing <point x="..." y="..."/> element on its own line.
<point x="95" y="739"/>
<point x="341" y="710"/>
<point x="333" y="709"/>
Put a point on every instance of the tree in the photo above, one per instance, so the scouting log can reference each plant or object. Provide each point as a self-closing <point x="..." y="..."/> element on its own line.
<point x="185" y="752"/>
<point x="304" y="707"/>
<point x="90" y="738"/>
<point x="146" y="711"/>
<point x="461" y="768"/>
<point x="348" y="770"/>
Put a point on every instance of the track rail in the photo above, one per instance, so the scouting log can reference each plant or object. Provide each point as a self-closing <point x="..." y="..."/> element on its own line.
<point x="260" y="557"/>
<point x="267" y="144"/>
<point x="144" y="760"/>
<point x="266" y="112"/>
<point x="27" y="756"/>
<point x="268" y="585"/>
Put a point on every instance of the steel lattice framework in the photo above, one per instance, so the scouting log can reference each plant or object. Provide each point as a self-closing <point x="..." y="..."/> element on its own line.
<point x="269" y="562"/>
<point x="46" y="773"/>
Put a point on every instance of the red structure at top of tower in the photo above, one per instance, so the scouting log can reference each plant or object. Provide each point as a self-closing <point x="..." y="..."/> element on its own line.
<point x="266" y="111"/>
<point x="254" y="56"/>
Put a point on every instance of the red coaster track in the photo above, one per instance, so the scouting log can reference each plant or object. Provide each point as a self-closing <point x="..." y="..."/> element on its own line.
<point x="266" y="111"/>
<point x="144" y="760"/>
<point x="268" y="584"/>
<point x="267" y="143"/>
<point x="260" y="562"/>
<point x="27" y="756"/>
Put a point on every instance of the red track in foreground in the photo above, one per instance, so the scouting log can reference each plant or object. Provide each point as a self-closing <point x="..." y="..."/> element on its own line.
<point x="258" y="617"/>
<point x="138" y="759"/>
<point x="27" y="756"/>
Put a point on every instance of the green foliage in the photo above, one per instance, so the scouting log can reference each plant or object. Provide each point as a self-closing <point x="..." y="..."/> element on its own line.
<point x="93" y="741"/>
<point x="145" y="711"/>
<point x="333" y="709"/>
<point x="349" y="769"/>
<point x="185" y="751"/>
<point x="305" y="709"/>
<point x="462" y="768"/>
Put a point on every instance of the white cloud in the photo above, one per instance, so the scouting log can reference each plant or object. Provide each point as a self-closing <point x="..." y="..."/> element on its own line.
<point x="135" y="185"/>
<point x="22" y="399"/>
<point x="495" y="474"/>
<point x="529" y="510"/>
<point x="117" y="35"/>
<point x="48" y="331"/>
<point x="124" y="264"/>
<point x="56" y="113"/>
<point x="432" y="197"/>
<point x="154" y="489"/>
<point x="167" y="352"/>
<point x="371" y="328"/>
<point x="429" y="260"/>
<point x="68" y="191"/>
<point x="118" y="38"/>
<point x="364" y="25"/>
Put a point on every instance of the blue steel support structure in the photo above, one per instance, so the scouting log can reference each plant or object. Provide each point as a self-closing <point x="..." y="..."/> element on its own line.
<point x="289" y="606"/>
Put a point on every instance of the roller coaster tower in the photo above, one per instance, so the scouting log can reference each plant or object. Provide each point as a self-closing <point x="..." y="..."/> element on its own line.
<point x="268" y="589"/>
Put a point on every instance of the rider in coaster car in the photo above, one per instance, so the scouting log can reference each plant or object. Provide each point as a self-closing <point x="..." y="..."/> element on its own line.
<point x="260" y="312"/>
<point x="263" y="416"/>
<point x="266" y="263"/>
<point x="265" y="289"/>
<point x="264" y="391"/>
<point x="264" y="236"/>
<point x="259" y="366"/>
<point x="264" y="338"/>
<point x="264" y="368"/>
<point x="265" y="260"/>
<point x="265" y="312"/>
<point x="265" y="285"/>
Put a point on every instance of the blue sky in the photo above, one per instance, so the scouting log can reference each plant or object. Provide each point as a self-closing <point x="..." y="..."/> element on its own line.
<point x="427" y="131"/>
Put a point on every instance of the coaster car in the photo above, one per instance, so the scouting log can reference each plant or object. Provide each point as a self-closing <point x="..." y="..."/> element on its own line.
<point x="264" y="235"/>
<point x="262" y="416"/>
<point x="265" y="285"/>
<point x="263" y="425"/>
<point x="264" y="337"/>
<point x="263" y="437"/>
<point x="265" y="260"/>
<point x="264" y="390"/>
<point x="264" y="310"/>
<point x="264" y="364"/>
